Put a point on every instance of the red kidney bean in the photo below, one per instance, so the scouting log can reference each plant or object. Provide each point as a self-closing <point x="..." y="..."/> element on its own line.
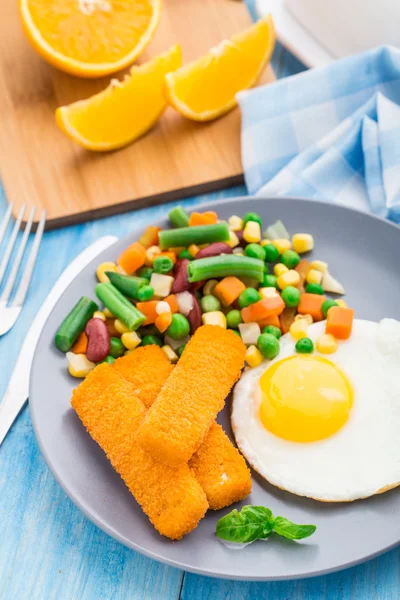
<point x="181" y="281"/>
<point x="214" y="250"/>
<point x="194" y="317"/>
<point x="242" y="241"/>
<point x="98" y="336"/>
<point x="196" y="285"/>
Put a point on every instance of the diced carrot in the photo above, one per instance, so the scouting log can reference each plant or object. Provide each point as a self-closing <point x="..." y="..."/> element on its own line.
<point x="311" y="304"/>
<point x="228" y="290"/>
<point x="149" y="311"/>
<point x="262" y="309"/>
<point x="272" y="320"/>
<point x="132" y="258"/>
<point x="286" y="318"/>
<point x="206" y="218"/>
<point x="339" y="322"/>
<point x="302" y="268"/>
<point x="163" y="321"/>
<point x="172" y="303"/>
<point x="150" y="236"/>
<point x="111" y="328"/>
<point x="81" y="344"/>
<point x="169" y="253"/>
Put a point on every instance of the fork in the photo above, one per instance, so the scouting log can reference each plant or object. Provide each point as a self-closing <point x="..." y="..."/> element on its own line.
<point x="9" y="312"/>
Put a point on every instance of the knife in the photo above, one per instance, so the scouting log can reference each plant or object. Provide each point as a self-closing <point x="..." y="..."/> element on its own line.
<point x="18" y="388"/>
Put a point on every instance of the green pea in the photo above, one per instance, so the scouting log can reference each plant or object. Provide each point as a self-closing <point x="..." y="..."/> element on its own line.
<point x="185" y="254"/>
<point x="233" y="319"/>
<point x="266" y="269"/>
<point x="255" y="251"/>
<point x="109" y="360"/>
<point x="305" y="346"/>
<point x="117" y="348"/>
<point x="248" y="296"/>
<point x="181" y="349"/>
<point x="314" y="288"/>
<point x="163" y="264"/>
<point x="271" y="253"/>
<point x="179" y="327"/>
<point x="145" y="272"/>
<point x="270" y="281"/>
<point x="150" y="340"/>
<point x="145" y="293"/>
<point x="275" y="331"/>
<point x="291" y="296"/>
<point x="251" y="216"/>
<point x="327" y="305"/>
<point x="290" y="259"/>
<point x="268" y="345"/>
<point x="210" y="303"/>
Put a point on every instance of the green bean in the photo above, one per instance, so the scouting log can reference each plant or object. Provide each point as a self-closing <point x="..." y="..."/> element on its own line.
<point x="73" y="325"/>
<point x="119" y="306"/>
<point x="163" y="264"/>
<point x="145" y="293"/>
<point x="225" y="265"/>
<point x="127" y="284"/>
<point x="178" y="217"/>
<point x="145" y="272"/>
<point x="199" y="234"/>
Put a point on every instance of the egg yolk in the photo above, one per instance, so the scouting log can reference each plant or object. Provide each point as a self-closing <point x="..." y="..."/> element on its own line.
<point x="304" y="398"/>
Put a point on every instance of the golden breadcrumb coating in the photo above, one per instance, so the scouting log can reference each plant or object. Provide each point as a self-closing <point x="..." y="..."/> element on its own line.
<point x="147" y="368"/>
<point x="221" y="470"/>
<point x="193" y="395"/>
<point x="111" y="411"/>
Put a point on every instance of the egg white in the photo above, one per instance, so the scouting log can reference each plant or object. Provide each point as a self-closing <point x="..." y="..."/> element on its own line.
<point x="359" y="460"/>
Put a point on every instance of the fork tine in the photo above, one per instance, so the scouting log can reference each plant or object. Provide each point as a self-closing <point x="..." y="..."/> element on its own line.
<point x="5" y="221"/>
<point x="30" y="265"/>
<point x="14" y="272"/>
<point x="9" y="249"/>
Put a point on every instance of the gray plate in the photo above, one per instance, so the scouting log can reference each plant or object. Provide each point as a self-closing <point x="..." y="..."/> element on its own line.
<point x="363" y="252"/>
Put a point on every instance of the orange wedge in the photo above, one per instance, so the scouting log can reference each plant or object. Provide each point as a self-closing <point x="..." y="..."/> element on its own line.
<point x="125" y="110"/>
<point x="206" y="88"/>
<point x="90" y="38"/>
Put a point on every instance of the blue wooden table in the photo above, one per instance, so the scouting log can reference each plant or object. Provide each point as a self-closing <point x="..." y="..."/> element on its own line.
<point x="50" y="551"/>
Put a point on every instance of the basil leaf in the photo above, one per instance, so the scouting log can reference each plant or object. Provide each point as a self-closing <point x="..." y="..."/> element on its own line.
<point x="291" y="531"/>
<point x="250" y="524"/>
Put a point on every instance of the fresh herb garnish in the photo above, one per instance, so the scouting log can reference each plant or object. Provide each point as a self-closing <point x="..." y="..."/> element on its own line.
<point x="256" y="523"/>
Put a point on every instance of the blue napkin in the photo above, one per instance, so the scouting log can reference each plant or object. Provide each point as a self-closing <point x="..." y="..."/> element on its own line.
<point x="331" y="133"/>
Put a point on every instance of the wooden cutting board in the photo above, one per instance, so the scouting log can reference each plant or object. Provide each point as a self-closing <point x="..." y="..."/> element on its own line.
<point x="42" y="167"/>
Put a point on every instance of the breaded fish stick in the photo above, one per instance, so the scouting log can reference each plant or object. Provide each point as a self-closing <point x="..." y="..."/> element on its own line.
<point x="219" y="467"/>
<point x="221" y="470"/>
<point x="111" y="411"/>
<point x="195" y="392"/>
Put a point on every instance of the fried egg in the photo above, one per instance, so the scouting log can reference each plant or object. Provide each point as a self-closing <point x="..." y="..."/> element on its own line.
<point x="325" y="426"/>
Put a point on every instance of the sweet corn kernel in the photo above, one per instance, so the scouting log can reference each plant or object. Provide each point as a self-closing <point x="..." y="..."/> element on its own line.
<point x="215" y="317"/>
<point x="298" y="329"/>
<point x="308" y="318"/>
<point x="249" y="332"/>
<point x="280" y="269"/>
<point x="314" y="276"/>
<point x="292" y="277"/>
<point x="193" y="249"/>
<point x="233" y="241"/>
<point x="128" y="352"/>
<point x="171" y="355"/>
<point x="161" y="284"/>
<point x="78" y="365"/>
<point x="282" y="245"/>
<point x="101" y="271"/>
<point x="120" y="270"/>
<point x="326" y="343"/>
<point x="120" y="327"/>
<point x="341" y="303"/>
<point x="252" y="232"/>
<point x="253" y="356"/>
<point x="107" y="313"/>
<point x="99" y="315"/>
<point x="130" y="340"/>
<point x="238" y="251"/>
<point x="319" y="265"/>
<point x="151" y="253"/>
<point x="208" y="288"/>
<point x="267" y="292"/>
<point x="235" y="223"/>
<point x="265" y="241"/>
<point x="302" y="242"/>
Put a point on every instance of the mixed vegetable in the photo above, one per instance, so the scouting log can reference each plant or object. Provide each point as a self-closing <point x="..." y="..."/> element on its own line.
<point x="206" y="271"/>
